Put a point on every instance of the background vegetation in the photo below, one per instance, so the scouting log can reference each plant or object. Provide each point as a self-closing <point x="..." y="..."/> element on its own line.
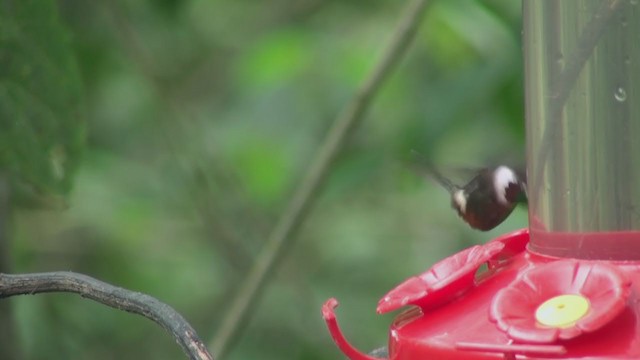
<point x="200" y="119"/>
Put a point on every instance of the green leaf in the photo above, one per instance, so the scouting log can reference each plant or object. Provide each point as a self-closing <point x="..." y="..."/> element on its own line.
<point x="41" y="131"/>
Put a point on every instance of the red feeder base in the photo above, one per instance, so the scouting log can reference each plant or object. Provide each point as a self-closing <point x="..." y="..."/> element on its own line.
<point x="520" y="306"/>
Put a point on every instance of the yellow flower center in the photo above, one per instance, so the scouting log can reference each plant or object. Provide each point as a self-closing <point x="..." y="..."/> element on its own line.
<point x="562" y="311"/>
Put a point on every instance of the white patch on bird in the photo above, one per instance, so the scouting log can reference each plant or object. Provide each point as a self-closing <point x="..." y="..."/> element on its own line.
<point x="502" y="177"/>
<point x="460" y="199"/>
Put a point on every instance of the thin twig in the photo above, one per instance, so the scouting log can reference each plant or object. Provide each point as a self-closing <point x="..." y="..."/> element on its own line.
<point x="296" y="211"/>
<point x="115" y="297"/>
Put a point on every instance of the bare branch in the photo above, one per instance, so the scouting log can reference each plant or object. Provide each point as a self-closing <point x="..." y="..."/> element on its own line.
<point x="115" y="297"/>
<point x="296" y="211"/>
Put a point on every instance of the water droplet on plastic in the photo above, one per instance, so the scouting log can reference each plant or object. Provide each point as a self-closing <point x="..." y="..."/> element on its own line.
<point x="620" y="94"/>
<point x="560" y="59"/>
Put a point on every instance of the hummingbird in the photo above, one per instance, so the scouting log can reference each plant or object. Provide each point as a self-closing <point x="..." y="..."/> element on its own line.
<point x="488" y="198"/>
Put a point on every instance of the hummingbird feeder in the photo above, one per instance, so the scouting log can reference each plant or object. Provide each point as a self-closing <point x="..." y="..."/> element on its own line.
<point x="568" y="286"/>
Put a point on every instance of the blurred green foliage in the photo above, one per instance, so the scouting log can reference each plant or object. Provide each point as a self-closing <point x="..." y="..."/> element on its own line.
<point x="42" y="132"/>
<point x="202" y="117"/>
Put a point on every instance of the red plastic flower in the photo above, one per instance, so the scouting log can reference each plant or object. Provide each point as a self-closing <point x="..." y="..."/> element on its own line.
<point x="560" y="300"/>
<point x="444" y="281"/>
